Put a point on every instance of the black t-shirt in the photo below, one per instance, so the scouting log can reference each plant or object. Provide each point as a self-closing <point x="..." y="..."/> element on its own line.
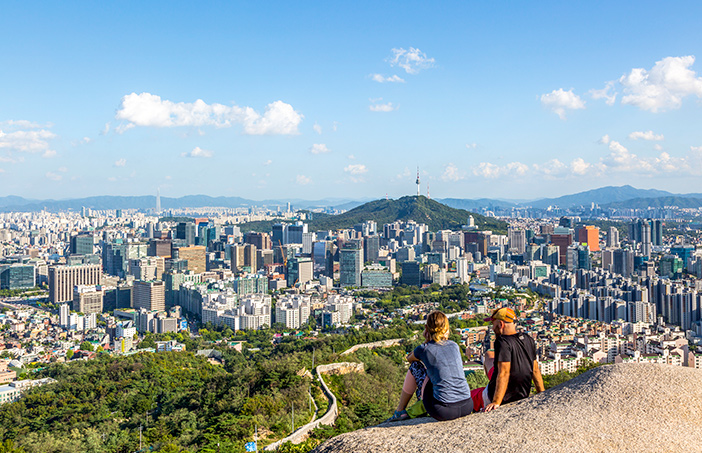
<point x="520" y="350"/>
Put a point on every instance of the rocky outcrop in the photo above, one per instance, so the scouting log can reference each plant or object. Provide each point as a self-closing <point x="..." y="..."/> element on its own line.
<point x="623" y="408"/>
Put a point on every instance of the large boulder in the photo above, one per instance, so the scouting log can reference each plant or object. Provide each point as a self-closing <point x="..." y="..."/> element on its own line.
<point x="623" y="408"/>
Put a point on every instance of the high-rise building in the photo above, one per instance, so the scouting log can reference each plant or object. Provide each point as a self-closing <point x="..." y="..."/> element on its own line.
<point x="293" y="311"/>
<point x="376" y="276"/>
<point x="295" y="232"/>
<point x="243" y="256"/>
<point x="88" y="299"/>
<point x="158" y="201"/>
<point x="590" y="236"/>
<point x="160" y="247"/>
<point x="613" y="237"/>
<point x="64" y="313"/>
<point x="261" y="241"/>
<point x="17" y="276"/>
<point x="551" y="255"/>
<point x="562" y="241"/>
<point x="623" y="262"/>
<point x="371" y="248"/>
<point x="149" y="295"/>
<point x="280" y="234"/>
<point x="148" y="268"/>
<point x="517" y="239"/>
<point x="307" y="241"/>
<point x="300" y="270"/>
<point x="82" y="244"/>
<point x="186" y="231"/>
<point x="656" y="232"/>
<point x="62" y="280"/>
<point x="116" y="256"/>
<point x="323" y="258"/>
<point x="646" y="239"/>
<point x="411" y="274"/>
<point x="350" y="264"/>
<point x="462" y="270"/>
<point x="195" y="256"/>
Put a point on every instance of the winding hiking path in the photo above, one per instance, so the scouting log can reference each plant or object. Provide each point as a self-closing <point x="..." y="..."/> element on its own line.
<point x="332" y="412"/>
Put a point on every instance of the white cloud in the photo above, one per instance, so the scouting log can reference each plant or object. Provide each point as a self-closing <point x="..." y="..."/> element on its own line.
<point x="198" y="152"/>
<point x="120" y="163"/>
<point x="356" y="169"/>
<point x="657" y="147"/>
<point x="391" y="79"/>
<point x="22" y="124"/>
<point x="303" y="180"/>
<point x="268" y="162"/>
<point x="471" y="145"/>
<point x="648" y="135"/>
<point x="319" y="148"/>
<point x="106" y="129"/>
<point x="317" y="128"/>
<point x="63" y="169"/>
<point x="406" y="173"/>
<point x="560" y="100"/>
<point x="335" y="126"/>
<point x="412" y="60"/>
<point x="621" y="159"/>
<point x="610" y="99"/>
<point x="604" y="140"/>
<point x="664" y="86"/>
<point x="150" y="110"/>
<point x="112" y="179"/>
<point x="552" y="168"/>
<point x="490" y="170"/>
<point x="27" y="141"/>
<point x="579" y="166"/>
<point x="382" y="107"/>
<point x="351" y="157"/>
<point x="53" y="176"/>
<point x="49" y="153"/>
<point x="452" y="173"/>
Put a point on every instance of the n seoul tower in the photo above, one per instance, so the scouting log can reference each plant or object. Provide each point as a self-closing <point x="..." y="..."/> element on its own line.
<point x="417" y="182"/>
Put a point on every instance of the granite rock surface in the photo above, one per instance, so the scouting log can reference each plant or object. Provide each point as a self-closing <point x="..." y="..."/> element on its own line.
<point x="623" y="408"/>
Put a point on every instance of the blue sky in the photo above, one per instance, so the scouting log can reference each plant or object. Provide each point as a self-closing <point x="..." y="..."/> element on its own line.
<point x="313" y="100"/>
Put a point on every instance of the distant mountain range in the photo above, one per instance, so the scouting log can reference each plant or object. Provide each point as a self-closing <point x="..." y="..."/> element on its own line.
<point x="19" y="204"/>
<point x="610" y="196"/>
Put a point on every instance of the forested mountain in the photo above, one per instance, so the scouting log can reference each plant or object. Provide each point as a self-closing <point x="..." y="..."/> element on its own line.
<point x="421" y="209"/>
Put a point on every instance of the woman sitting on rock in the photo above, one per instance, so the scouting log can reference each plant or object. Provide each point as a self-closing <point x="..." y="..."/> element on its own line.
<point x="436" y="374"/>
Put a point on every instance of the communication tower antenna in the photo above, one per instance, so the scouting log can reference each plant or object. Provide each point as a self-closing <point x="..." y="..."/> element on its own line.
<point x="417" y="182"/>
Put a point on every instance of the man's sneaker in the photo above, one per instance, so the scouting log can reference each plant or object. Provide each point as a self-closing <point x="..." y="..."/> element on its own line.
<point x="397" y="416"/>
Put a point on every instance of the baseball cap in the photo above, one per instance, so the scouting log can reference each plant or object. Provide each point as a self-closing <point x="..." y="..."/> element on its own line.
<point x="502" y="314"/>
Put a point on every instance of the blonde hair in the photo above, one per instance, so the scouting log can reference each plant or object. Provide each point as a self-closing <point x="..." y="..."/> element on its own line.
<point x="437" y="327"/>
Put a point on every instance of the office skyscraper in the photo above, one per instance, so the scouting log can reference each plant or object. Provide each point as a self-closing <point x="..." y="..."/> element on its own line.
<point x="82" y="244"/>
<point x="350" y="264"/>
<point x="88" y="299"/>
<point x="62" y="280"/>
<point x="149" y="295"/>
<point x="186" y="231"/>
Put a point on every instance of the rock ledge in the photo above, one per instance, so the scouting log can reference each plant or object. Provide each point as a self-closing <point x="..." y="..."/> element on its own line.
<point x="624" y="408"/>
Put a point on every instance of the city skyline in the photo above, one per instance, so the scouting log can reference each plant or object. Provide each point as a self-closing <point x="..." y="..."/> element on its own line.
<point x="318" y="101"/>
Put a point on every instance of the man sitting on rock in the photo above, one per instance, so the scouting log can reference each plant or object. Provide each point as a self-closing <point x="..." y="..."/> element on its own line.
<point x="515" y="364"/>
